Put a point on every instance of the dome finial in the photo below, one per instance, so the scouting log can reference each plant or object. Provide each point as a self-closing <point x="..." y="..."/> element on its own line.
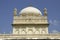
<point x="15" y="11"/>
<point x="45" y="12"/>
<point x="31" y="4"/>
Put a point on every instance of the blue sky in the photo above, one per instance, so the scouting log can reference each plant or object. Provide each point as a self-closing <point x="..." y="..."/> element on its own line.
<point x="7" y="6"/>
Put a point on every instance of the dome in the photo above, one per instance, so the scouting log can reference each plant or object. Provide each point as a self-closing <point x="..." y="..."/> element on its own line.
<point x="30" y="10"/>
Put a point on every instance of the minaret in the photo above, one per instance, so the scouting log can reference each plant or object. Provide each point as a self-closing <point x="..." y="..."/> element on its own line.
<point x="45" y="12"/>
<point x="15" y="11"/>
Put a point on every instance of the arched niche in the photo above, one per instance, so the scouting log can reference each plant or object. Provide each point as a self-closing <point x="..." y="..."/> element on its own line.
<point x="17" y="31"/>
<point x="23" y="32"/>
<point x="37" y="32"/>
<point x="30" y="31"/>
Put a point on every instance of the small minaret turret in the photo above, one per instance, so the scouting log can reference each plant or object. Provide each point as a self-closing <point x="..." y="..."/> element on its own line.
<point x="15" y="11"/>
<point x="45" y="12"/>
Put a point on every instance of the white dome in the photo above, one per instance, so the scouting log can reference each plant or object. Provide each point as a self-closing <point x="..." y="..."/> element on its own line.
<point x="30" y="10"/>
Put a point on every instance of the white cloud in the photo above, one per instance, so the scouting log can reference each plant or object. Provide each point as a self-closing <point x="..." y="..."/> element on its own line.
<point x="54" y="22"/>
<point x="50" y="22"/>
<point x="55" y="31"/>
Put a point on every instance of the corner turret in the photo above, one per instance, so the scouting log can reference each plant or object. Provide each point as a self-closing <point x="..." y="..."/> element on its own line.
<point x="45" y="12"/>
<point x="15" y="11"/>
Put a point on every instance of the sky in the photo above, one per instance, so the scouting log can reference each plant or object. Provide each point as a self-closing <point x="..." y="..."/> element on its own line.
<point x="7" y="7"/>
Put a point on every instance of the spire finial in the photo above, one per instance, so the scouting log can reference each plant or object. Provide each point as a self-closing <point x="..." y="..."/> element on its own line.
<point x="15" y="11"/>
<point x="45" y="12"/>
